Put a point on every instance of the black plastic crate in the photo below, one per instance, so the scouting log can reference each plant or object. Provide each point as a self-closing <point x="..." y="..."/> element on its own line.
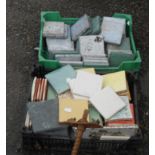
<point x="51" y="144"/>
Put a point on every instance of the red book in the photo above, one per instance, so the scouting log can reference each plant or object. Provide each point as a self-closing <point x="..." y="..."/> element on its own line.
<point x="124" y="122"/>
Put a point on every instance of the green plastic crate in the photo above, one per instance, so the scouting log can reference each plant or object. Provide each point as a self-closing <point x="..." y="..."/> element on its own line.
<point x="131" y="66"/>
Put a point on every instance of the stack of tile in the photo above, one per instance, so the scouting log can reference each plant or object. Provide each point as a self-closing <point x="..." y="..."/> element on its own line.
<point x="39" y="89"/>
<point x="92" y="50"/>
<point x="113" y="31"/>
<point x="60" y="45"/>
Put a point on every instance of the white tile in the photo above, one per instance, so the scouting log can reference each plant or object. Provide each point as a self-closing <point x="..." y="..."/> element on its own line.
<point x="107" y="102"/>
<point x="87" y="84"/>
<point x="71" y="83"/>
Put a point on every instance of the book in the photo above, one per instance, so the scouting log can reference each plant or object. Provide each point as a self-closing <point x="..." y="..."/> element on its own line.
<point x="58" y="78"/>
<point x="107" y="102"/>
<point x="124" y="122"/>
<point x="117" y="81"/>
<point x="44" y="115"/>
<point x="71" y="109"/>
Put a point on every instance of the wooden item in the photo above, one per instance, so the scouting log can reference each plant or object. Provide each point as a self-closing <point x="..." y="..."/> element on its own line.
<point x="81" y="125"/>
